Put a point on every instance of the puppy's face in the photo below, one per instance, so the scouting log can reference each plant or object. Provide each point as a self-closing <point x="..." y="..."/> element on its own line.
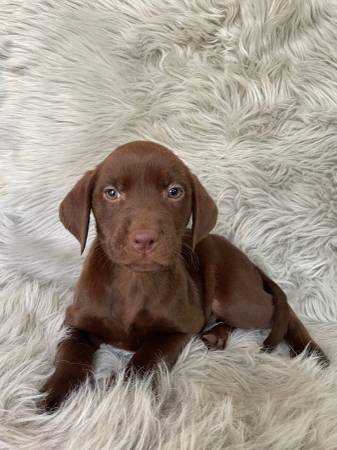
<point x="142" y="197"/>
<point x="142" y="202"/>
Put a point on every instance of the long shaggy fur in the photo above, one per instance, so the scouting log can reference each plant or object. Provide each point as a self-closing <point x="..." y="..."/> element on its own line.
<point x="246" y="93"/>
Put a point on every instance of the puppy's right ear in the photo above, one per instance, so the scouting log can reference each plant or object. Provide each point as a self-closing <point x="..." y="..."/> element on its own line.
<point x="75" y="208"/>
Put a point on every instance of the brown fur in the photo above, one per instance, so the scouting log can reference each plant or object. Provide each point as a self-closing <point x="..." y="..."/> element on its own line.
<point x="148" y="283"/>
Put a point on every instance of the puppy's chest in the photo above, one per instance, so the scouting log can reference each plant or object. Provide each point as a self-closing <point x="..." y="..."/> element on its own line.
<point x="141" y="309"/>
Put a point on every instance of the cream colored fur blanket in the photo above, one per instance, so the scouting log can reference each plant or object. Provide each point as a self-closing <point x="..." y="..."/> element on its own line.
<point x="245" y="92"/>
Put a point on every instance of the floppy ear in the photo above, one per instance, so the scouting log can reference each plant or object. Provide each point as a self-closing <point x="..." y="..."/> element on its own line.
<point x="75" y="208"/>
<point x="204" y="212"/>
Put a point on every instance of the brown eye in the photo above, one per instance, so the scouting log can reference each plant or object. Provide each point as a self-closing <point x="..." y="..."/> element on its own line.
<point x="111" y="193"/>
<point x="175" y="192"/>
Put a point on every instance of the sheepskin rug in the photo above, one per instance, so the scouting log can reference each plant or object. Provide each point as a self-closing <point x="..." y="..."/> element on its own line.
<point x="245" y="91"/>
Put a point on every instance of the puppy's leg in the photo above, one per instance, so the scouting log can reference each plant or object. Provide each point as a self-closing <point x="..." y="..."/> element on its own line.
<point x="216" y="337"/>
<point x="299" y="339"/>
<point x="73" y="362"/>
<point x="165" y="347"/>
<point x="280" y="318"/>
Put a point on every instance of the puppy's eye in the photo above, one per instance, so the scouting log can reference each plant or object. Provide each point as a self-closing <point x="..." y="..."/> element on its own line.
<point x="111" y="193"/>
<point x="175" y="192"/>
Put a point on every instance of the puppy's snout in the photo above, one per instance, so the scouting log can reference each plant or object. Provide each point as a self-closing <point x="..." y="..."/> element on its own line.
<point x="143" y="241"/>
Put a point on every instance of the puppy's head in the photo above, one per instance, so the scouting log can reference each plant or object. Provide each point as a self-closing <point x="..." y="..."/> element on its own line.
<point x="142" y="197"/>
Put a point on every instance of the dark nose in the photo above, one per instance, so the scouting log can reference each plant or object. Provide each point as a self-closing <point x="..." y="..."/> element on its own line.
<point x="143" y="241"/>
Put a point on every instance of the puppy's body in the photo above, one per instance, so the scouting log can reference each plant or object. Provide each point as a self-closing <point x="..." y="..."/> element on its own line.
<point x="124" y="308"/>
<point x="148" y="283"/>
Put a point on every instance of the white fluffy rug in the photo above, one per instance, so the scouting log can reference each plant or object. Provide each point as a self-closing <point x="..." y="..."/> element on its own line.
<point x="246" y="93"/>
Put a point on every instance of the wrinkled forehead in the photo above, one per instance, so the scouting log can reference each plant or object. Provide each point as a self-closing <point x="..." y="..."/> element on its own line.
<point x="141" y="163"/>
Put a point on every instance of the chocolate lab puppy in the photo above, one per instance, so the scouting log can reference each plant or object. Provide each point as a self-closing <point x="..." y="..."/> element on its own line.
<point x="149" y="283"/>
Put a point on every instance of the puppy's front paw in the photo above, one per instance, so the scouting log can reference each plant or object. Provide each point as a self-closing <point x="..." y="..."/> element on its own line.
<point x="51" y="402"/>
<point x="56" y="391"/>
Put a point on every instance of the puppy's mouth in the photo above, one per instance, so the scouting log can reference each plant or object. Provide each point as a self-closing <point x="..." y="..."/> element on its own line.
<point x="146" y="264"/>
<point x="146" y="267"/>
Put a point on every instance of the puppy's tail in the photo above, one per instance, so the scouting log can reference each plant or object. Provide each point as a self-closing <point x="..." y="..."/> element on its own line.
<point x="281" y="316"/>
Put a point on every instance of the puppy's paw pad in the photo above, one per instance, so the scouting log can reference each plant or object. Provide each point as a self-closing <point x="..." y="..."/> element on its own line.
<point x="214" y="342"/>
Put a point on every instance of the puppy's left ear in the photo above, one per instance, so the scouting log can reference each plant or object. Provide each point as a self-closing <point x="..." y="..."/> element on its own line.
<point x="204" y="212"/>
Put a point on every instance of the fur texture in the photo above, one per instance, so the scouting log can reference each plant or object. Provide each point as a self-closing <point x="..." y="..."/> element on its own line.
<point x="246" y="93"/>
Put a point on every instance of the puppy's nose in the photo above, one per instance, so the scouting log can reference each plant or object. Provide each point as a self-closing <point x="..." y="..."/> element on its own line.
<point x="143" y="240"/>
